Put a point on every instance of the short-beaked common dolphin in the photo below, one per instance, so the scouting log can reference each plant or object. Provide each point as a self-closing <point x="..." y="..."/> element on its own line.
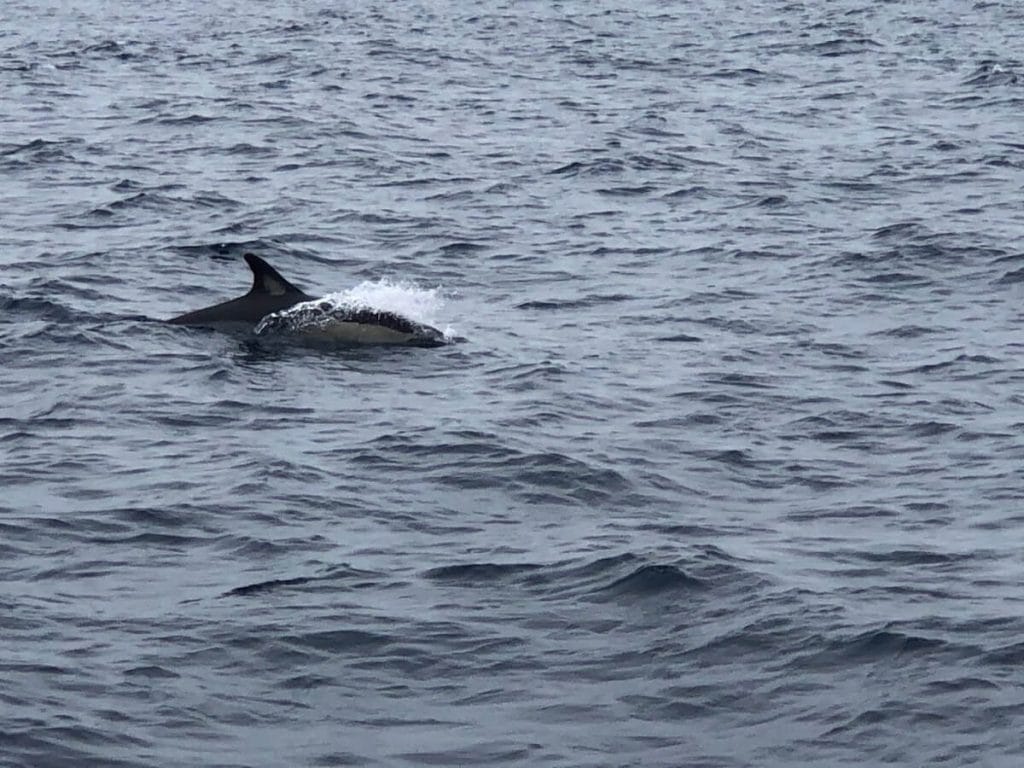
<point x="320" y="320"/>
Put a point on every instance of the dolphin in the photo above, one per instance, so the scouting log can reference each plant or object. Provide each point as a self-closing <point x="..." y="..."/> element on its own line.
<point x="264" y="310"/>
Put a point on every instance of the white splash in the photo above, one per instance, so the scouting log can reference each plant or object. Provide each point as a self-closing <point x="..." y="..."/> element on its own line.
<point x="403" y="298"/>
<point x="408" y="300"/>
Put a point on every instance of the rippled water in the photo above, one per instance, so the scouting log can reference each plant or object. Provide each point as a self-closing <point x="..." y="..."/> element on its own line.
<point x="726" y="471"/>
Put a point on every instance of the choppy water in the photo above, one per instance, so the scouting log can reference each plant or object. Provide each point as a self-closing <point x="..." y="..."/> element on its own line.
<point x="727" y="471"/>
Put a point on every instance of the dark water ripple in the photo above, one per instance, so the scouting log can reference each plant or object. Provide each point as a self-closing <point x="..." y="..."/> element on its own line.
<point x="725" y="471"/>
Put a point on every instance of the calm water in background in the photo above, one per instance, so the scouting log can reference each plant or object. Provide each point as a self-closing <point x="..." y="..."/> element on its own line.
<point x="727" y="471"/>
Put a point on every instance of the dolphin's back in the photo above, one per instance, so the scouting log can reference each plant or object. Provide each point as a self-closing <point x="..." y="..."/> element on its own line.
<point x="236" y="311"/>
<point x="269" y="293"/>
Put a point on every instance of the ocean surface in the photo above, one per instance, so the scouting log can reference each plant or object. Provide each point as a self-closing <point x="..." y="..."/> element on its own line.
<point x="722" y="466"/>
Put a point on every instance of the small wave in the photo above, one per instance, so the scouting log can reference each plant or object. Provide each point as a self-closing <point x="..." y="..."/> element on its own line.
<point x="227" y="250"/>
<point x="335" y="574"/>
<point x="624" y="576"/>
<point x="643" y="189"/>
<point x="961" y="684"/>
<point x="268" y="586"/>
<point x="558" y="474"/>
<point x="107" y="46"/>
<point x="146" y="200"/>
<point x="151" y="672"/>
<point x="744" y="73"/>
<point x="32" y="146"/>
<point x="687" y="192"/>
<point x="652" y="580"/>
<point x="770" y="201"/>
<point x="883" y="645"/>
<point x="679" y="337"/>
<point x="903" y="230"/>
<point x="339" y="640"/>
<point x="38" y="152"/>
<point x="1009" y="656"/>
<point x="36" y="309"/>
<point x="587" y="301"/>
<point x="477" y="573"/>
<point x="957" y="362"/>
<point x="912" y="557"/>
<point x="990" y="74"/>
<point x="568" y="576"/>
<point x="844" y="46"/>
<point x="871" y="646"/>
<point x="193" y="119"/>
<point x="931" y="428"/>
<point x="907" y="332"/>
<point x="597" y="167"/>
<point x="462" y="247"/>
<point x="250" y="150"/>
<point x="1012" y="277"/>
<point x="895" y="278"/>
<point x="674" y="161"/>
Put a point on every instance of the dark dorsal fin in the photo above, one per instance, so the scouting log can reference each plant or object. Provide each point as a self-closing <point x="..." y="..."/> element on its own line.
<point x="267" y="280"/>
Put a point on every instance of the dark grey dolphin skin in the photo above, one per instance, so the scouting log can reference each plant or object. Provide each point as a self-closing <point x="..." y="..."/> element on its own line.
<point x="269" y="293"/>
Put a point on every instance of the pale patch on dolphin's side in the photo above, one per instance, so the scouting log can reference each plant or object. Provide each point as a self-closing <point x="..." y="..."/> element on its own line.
<point x="329" y="320"/>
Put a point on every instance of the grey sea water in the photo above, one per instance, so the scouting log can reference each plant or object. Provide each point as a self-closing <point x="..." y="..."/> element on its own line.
<point x="725" y="470"/>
